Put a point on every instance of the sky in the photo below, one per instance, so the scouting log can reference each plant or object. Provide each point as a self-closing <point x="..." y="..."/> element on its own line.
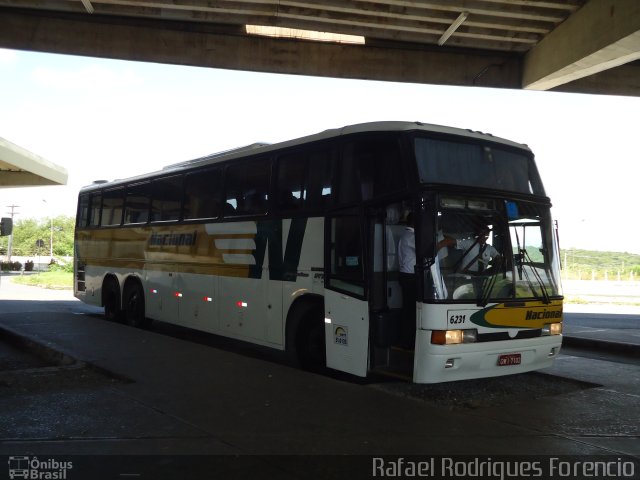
<point x="108" y="119"/>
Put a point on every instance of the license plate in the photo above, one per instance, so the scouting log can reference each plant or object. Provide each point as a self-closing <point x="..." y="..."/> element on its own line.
<point x="509" y="359"/>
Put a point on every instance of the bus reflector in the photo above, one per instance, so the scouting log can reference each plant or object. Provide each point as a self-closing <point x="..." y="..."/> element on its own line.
<point x="241" y="304"/>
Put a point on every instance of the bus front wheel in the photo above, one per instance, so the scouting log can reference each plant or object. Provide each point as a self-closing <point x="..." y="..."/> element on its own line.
<point x="309" y="339"/>
<point x="134" y="305"/>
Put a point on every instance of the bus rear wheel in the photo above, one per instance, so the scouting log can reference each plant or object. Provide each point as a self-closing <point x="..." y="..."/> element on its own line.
<point x="134" y="305"/>
<point x="111" y="300"/>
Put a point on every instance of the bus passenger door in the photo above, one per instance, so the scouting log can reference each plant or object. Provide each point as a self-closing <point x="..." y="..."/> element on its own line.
<point x="346" y="306"/>
<point x="385" y="294"/>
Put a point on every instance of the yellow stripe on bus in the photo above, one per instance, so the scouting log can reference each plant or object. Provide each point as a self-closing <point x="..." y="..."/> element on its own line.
<point x="532" y="315"/>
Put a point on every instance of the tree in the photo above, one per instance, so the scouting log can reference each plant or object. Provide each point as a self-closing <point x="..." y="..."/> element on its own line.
<point x="27" y="232"/>
<point x="63" y="232"/>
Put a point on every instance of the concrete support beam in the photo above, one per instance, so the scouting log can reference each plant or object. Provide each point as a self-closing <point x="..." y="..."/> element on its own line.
<point x="198" y="44"/>
<point x="621" y="80"/>
<point x="20" y="168"/>
<point x="603" y="34"/>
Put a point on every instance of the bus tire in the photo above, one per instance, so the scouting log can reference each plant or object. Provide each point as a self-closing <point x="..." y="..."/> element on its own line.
<point x="308" y="339"/>
<point x="134" y="310"/>
<point x="111" y="299"/>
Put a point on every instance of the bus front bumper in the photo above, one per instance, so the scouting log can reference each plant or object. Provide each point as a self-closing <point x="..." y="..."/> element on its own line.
<point x="445" y="363"/>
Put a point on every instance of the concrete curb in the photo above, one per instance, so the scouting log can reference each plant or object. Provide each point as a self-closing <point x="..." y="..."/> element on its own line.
<point x="604" y="345"/>
<point x="52" y="355"/>
<point x="41" y="350"/>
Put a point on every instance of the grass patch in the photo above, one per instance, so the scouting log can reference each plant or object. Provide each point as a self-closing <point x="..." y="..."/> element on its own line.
<point x="52" y="280"/>
<point x="575" y="300"/>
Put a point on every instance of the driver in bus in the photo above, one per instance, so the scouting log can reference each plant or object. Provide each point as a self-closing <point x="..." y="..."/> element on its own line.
<point x="478" y="254"/>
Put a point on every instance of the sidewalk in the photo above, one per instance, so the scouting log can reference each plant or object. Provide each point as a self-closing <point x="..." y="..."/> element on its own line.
<point x="608" y="313"/>
<point x="600" y="335"/>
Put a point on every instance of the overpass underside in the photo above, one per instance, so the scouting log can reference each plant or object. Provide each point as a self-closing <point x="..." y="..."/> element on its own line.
<point x="580" y="46"/>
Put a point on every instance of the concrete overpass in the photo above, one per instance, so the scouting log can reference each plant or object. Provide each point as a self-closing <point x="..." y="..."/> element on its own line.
<point x="587" y="46"/>
<point x="21" y="168"/>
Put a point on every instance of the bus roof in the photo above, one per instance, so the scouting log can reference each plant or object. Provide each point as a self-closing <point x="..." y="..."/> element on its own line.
<point x="256" y="148"/>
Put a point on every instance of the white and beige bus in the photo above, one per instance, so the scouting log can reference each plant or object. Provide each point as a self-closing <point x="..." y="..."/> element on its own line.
<point x="295" y="246"/>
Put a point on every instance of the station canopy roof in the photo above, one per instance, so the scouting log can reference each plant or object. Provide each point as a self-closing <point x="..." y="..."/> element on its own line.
<point x="21" y="168"/>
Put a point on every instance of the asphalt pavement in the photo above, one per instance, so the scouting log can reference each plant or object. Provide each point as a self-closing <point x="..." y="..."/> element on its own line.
<point x="116" y="390"/>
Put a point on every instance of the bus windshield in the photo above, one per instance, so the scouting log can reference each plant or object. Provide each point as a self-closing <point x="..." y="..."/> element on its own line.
<point x="475" y="165"/>
<point x="493" y="250"/>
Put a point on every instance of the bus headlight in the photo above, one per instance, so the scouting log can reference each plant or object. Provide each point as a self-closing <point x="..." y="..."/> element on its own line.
<point x="453" y="337"/>
<point x="552" y="329"/>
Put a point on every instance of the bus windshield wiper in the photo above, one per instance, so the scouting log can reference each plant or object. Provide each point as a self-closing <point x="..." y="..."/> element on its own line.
<point x="543" y="290"/>
<point x="488" y="284"/>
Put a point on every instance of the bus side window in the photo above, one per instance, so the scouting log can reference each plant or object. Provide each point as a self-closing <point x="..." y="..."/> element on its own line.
<point x="379" y="163"/>
<point x="347" y="177"/>
<point x="95" y="205"/>
<point x="82" y="218"/>
<point x="347" y="268"/>
<point x="166" y="199"/>
<point x="202" y="194"/>
<point x="319" y="180"/>
<point x="247" y="187"/>
<point x="136" y="207"/>
<point x="112" y="207"/>
<point x="304" y="180"/>
<point x="290" y="188"/>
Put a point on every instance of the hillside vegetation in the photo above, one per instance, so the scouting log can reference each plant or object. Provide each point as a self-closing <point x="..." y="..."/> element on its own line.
<point x="594" y="265"/>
